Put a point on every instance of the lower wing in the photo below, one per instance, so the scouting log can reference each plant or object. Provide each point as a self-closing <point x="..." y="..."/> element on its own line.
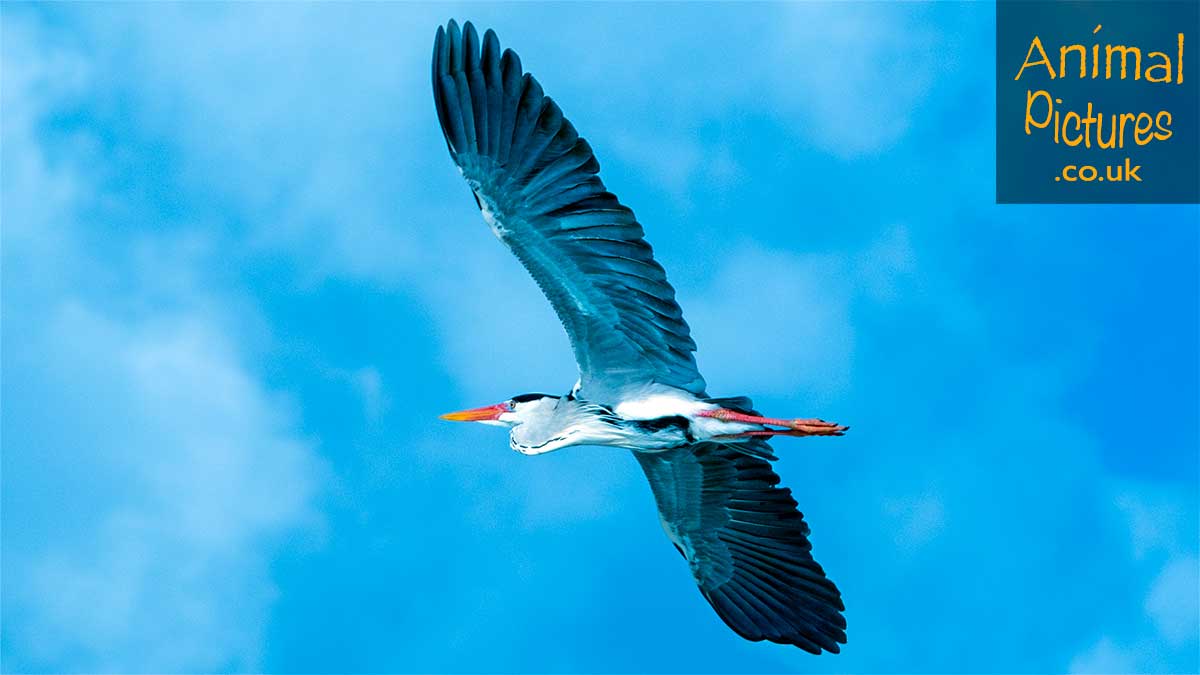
<point x="746" y="543"/>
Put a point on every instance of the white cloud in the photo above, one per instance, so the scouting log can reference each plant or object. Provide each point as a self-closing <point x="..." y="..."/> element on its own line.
<point x="1158" y="522"/>
<point x="855" y="72"/>
<point x="1104" y="657"/>
<point x="146" y="391"/>
<point x="497" y="333"/>
<point x="779" y="323"/>
<point x="1161" y="536"/>
<point x="774" y="322"/>
<point x="1173" y="603"/>
<point x="29" y="181"/>
<point x="211" y="472"/>
<point x="272" y="125"/>
<point x="676" y="162"/>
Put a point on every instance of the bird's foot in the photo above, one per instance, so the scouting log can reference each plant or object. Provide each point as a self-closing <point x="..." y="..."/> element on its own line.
<point x="815" y="427"/>
<point x="796" y="427"/>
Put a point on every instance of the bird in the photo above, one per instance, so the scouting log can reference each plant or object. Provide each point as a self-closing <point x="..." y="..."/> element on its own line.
<point x="707" y="459"/>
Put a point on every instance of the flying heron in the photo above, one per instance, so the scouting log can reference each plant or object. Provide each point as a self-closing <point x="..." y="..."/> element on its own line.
<point x="536" y="182"/>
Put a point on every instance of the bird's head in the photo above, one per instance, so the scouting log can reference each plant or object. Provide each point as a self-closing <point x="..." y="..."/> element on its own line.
<point x="516" y="410"/>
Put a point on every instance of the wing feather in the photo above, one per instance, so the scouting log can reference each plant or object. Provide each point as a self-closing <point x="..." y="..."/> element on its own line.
<point x="538" y="182"/>
<point x="746" y="543"/>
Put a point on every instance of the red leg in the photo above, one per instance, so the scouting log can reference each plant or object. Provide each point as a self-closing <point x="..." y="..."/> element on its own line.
<point x="832" y="431"/>
<point x="806" y="427"/>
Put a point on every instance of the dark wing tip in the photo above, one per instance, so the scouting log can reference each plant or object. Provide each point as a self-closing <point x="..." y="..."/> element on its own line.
<point x="454" y="37"/>
<point x="471" y="46"/>
<point x="439" y="46"/>
<point x="754" y="616"/>
<point x="491" y="51"/>
<point x="511" y="65"/>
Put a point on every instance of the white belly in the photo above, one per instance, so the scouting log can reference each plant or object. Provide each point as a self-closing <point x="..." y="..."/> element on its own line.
<point x="661" y="405"/>
<point x="683" y="404"/>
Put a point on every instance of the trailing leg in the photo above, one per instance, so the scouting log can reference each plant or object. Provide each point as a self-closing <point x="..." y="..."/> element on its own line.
<point x="793" y="427"/>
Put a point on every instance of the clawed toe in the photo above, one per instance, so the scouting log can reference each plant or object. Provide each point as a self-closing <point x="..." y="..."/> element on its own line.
<point x="816" y="427"/>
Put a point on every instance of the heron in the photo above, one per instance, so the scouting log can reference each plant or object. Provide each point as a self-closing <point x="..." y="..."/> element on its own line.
<point x="707" y="459"/>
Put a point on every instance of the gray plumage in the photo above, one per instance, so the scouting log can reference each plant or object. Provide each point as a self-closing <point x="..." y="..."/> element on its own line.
<point x="536" y="182"/>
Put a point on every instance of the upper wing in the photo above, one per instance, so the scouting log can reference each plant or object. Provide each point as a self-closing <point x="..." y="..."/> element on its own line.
<point x="535" y="180"/>
<point x="746" y="543"/>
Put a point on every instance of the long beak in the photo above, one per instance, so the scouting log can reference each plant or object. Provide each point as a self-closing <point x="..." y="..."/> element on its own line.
<point x="487" y="412"/>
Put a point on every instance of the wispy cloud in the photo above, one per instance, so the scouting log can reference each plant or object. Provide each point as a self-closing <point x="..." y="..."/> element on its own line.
<point x="197" y="203"/>
<point x="126" y="382"/>
<point x="1172" y="602"/>
<point x="774" y="322"/>
<point x="176" y="573"/>
<point x="856" y="73"/>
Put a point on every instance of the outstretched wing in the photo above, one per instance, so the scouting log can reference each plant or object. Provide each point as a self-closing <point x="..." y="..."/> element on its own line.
<point x="536" y="182"/>
<point x="746" y="543"/>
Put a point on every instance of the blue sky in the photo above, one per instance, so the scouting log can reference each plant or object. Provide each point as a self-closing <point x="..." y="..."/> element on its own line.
<point x="241" y="276"/>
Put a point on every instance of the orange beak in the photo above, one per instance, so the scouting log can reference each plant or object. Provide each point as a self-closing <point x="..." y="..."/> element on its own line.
<point x="487" y="412"/>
